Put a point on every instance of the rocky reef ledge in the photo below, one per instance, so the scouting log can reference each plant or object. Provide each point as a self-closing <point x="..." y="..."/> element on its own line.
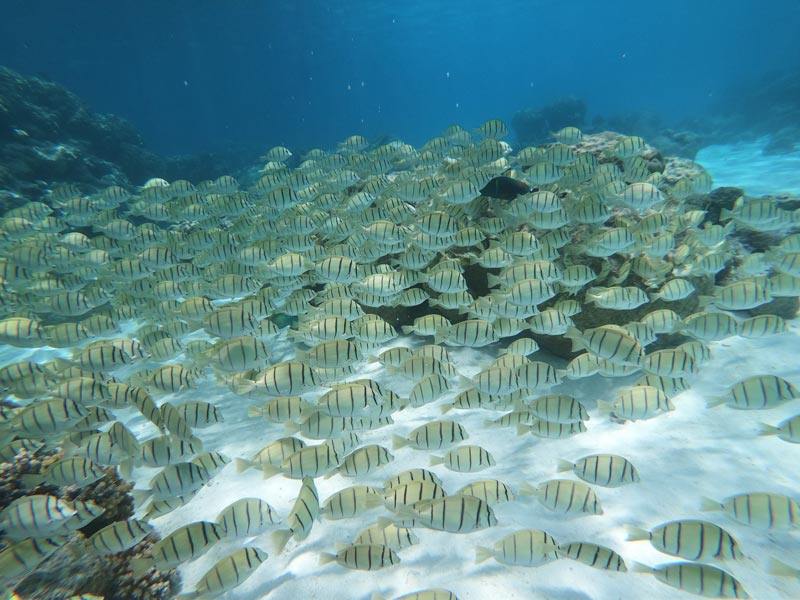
<point x="48" y="135"/>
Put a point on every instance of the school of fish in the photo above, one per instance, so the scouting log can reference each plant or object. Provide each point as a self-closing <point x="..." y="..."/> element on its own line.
<point x="270" y="292"/>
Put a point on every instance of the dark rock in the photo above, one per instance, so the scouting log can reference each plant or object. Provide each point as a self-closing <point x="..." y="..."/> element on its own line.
<point x="783" y="307"/>
<point x="679" y="142"/>
<point x="48" y="136"/>
<point x="757" y="241"/>
<point x="715" y="201"/>
<point x="534" y="126"/>
<point x="767" y="104"/>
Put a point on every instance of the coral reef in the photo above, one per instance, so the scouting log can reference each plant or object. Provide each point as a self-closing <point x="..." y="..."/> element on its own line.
<point x="715" y="201"/>
<point x="73" y="569"/>
<point x="681" y="143"/>
<point x="49" y="135"/>
<point x="769" y="104"/>
<point x="24" y="463"/>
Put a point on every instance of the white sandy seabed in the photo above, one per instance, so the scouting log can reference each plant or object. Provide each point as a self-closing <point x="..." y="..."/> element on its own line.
<point x="746" y="166"/>
<point x="682" y="456"/>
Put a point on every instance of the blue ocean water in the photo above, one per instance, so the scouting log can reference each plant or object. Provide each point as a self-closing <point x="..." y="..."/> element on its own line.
<point x="714" y="78"/>
<point x="200" y="75"/>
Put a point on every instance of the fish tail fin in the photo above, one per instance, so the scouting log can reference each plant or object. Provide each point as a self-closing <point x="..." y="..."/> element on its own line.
<point x="483" y="554"/>
<point x="398" y="442"/>
<point x="709" y="505"/>
<point x="636" y="534"/>
<point x="326" y="557"/>
<point x="242" y="387"/>
<point x="764" y="429"/>
<point x="703" y="301"/>
<point x="781" y="569"/>
<point x="576" y="337"/>
<point x="270" y="471"/>
<point x="31" y="480"/>
<point x="605" y="407"/>
<point x="564" y="465"/>
<point x="280" y="538"/>
<point x="242" y="464"/>
<point x="125" y="469"/>
<point x="636" y="567"/>
<point x="714" y="402"/>
<point x="140" y="496"/>
<point x="373" y="501"/>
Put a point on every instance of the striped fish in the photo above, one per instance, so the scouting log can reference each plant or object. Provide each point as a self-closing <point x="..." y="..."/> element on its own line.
<point x="760" y="510"/>
<point x="311" y="461"/>
<point x="454" y="514"/>
<point x="690" y="539"/>
<point x="302" y="516"/>
<point x="607" y="470"/>
<point x="525" y="548"/>
<point x="490" y="491"/>
<point x="36" y="516"/>
<point x="432" y="436"/>
<point x="555" y="431"/>
<point x="788" y="429"/>
<point x="289" y="378"/>
<point x="696" y="578"/>
<point x="247" y="517"/>
<point x="119" y="536"/>
<point x="758" y="392"/>
<point x="178" y="480"/>
<point x="45" y="418"/>
<point x="362" y="461"/>
<point x="362" y="557"/>
<point x="229" y="572"/>
<point x="593" y="555"/>
<point x="762" y="326"/>
<point x="175" y="423"/>
<point x="76" y="470"/>
<point x="200" y="414"/>
<point x="182" y="545"/>
<point x="558" y="408"/>
<point x="211" y="461"/>
<point x="465" y="459"/>
<point x="565" y="496"/>
<point x="412" y="492"/>
<point x="709" y="327"/>
<point x="609" y="342"/>
<point x="165" y="450"/>
<point x="742" y="295"/>
<point x="640" y="402"/>
<point x="385" y="533"/>
<point x="409" y="476"/>
<point x="351" y="502"/>
<point x="20" y="559"/>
